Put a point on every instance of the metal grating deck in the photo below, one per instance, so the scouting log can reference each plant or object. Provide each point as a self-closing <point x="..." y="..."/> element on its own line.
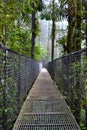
<point x="45" y="108"/>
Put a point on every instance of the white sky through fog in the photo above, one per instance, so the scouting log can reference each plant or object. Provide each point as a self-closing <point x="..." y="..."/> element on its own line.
<point x="44" y="25"/>
<point x="48" y="1"/>
<point x="45" y="35"/>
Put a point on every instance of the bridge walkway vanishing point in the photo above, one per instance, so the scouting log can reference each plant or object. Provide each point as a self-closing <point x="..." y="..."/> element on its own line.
<point x="45" y="108"/>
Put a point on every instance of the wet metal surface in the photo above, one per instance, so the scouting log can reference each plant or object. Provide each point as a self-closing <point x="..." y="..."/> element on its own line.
<point x="45" y="108"/>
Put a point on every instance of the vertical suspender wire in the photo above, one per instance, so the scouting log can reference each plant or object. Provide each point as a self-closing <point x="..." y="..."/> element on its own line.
<point x="86" y="23"/>
<point x="4" y="124"/>
<point x="19" y="61"/>
<point x="18" y="20"/>
<point x="85" y="3"/>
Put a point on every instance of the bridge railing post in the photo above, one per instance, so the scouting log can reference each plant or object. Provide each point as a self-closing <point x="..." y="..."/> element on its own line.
<point x="70" y="74"/>
<point x="4" y="123"/>
<point x="17" y="73"/>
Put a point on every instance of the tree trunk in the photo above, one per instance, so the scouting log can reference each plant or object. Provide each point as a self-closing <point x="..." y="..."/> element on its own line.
<point x="70" y="30"/>
<point x="33" y="30"/>
<point x="78" y="25"/>
<point x="53" y="36"/>
<point x="53" y="29"/>
<point x="78" y="47"/>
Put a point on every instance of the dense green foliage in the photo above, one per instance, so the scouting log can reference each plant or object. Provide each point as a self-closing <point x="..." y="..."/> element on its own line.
<point x="19" y="27"/>
<point x="15" y="25"/>
<point x="76" y="15"/>
<point x="75" y="12"/>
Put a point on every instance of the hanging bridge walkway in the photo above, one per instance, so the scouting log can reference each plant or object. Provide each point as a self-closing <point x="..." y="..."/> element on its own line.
<point x="45" y="108"/>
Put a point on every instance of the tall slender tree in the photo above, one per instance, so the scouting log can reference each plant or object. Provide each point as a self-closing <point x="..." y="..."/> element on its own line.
<point x="53" y="29"/>
<point x="74" y="16"/>
<point x="78" y="24"/>
<point x="33" y="29"/>
<point x="36" y="5"/>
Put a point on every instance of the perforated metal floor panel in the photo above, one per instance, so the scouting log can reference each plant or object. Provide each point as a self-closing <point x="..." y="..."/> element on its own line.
<point x="45" y="108"/>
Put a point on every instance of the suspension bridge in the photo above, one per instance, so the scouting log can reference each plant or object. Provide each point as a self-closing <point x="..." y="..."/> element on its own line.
<point x="44" y="107"/>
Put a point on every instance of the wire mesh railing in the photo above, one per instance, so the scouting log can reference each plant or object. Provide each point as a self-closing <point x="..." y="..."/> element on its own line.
<point x="70" y="74"/>
<point x="45" y="108"/>
<point x="17" y="73"/>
